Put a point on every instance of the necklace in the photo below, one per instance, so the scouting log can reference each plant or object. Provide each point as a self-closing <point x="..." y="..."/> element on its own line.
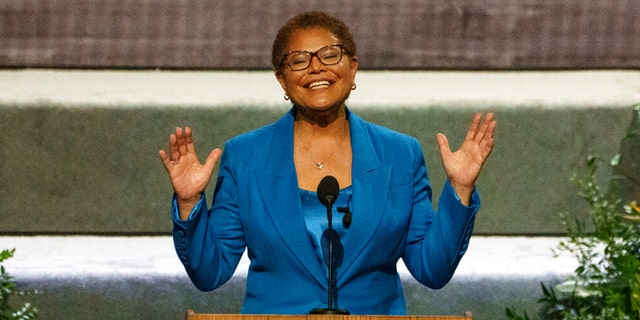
<point x="320" y="164"/>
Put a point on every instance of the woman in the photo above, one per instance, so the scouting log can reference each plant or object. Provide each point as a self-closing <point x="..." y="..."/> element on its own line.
<point x="265" y="197"/>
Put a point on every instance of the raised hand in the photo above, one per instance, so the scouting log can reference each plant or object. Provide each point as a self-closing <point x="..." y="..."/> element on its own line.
<point x="188" y="176"/>
<point x="463" y="166"/>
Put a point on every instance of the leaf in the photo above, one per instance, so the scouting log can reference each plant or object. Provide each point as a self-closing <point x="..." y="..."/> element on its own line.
<point x="7" y="288"/>
<point x="6" y="254"/>
<point x="615" y="161"/>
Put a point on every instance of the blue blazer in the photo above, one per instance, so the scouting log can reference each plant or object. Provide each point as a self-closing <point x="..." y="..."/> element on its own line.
<point x="257" y="206"/>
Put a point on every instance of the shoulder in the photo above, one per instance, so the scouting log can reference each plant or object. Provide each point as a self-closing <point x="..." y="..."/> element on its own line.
<point x="257" y="141"/>
<point x="253" y="136"/>
<point x="263" y="135"/>
<point x="382" y="136"/>
<point x="261" y="140"/>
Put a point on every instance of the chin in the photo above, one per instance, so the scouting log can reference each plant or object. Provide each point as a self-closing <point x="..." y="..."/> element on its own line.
<point x="325" y="108"/>
<point x="319" y="109"/>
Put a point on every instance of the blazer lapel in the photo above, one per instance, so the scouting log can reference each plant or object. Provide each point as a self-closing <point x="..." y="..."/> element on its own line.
<point x="279" y="189"/>
<point x="370" y="185"/>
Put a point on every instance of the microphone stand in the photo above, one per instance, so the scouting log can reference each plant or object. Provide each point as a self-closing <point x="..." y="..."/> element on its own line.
<point x="330" y="305"/>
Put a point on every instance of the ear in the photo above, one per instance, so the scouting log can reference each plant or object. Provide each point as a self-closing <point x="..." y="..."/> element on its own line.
<point x="281" y="79"/>
<point x="353" y="66"/>
<point x="354" y="63"/>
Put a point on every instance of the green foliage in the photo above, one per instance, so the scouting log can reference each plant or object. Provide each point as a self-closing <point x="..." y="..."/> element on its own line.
<point x="606" y="283"/>
<point x="7" y="289"/>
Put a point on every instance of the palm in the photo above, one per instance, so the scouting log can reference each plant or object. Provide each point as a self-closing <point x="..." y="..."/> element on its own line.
<point x="188" y="176"/>
<point x="463" y="166"/>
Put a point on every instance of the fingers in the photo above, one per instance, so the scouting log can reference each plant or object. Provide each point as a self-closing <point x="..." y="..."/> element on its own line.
<point x="491" y="128"/>
<point x="481" y="129"/>
<point x="165" y="160"/>
<point x="486" y="129"/>
<point x="188" y="139"/>
<point x="180" y="144"/>
<point x="181" y="141"/>
<point x="485" y="135"/>
<point x="173" y="156"/>
<point x="185" y="140"/>
<point x="473" y="128"/>
<point x="174" y="150"/>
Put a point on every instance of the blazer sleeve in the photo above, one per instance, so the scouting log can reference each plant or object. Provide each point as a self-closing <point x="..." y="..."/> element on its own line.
<point x="211" y="242"/>
<point x="436" y="240"/>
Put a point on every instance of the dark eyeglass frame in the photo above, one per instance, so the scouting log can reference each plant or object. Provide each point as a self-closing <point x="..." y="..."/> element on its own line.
<point x="311" y="55"/>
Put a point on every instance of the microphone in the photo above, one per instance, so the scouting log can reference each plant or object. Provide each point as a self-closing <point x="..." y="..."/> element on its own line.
<point x="328" y="191"/>
<point x="346" y="219"/>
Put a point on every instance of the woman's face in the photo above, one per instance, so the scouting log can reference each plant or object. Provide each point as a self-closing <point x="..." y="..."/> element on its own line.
<point x="320" y="88"/>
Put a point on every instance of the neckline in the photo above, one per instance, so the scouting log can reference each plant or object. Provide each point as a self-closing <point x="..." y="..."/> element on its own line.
<point x="314" y="192"/>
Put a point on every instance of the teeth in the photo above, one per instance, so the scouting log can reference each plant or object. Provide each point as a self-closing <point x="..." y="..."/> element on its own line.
<point x="319" y="84"/>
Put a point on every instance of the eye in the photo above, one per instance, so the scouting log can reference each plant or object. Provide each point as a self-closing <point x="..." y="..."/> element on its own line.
<point x="330" y="54"/>
<point x="299" y="61"/>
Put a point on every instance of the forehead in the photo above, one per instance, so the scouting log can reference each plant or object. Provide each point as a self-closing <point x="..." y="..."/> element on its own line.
<point x="310" y="39"/>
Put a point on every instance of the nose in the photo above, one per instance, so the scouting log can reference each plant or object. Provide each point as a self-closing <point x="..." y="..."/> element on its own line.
<point x="315" y="65"/>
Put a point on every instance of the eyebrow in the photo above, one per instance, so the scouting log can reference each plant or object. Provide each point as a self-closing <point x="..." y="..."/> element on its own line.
<point x="333" y="44"/>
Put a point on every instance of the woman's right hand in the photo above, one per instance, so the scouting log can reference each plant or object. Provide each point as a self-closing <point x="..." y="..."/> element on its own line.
<point x="188" y="176"/>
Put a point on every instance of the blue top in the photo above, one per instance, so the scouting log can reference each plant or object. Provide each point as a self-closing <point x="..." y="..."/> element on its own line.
<point x="316" y="220"/>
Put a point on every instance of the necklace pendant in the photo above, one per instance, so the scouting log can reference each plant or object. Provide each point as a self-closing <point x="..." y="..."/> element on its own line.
<point x="319" y="165"/>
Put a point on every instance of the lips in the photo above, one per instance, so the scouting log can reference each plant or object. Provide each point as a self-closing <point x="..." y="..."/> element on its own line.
<point x="319" y="84"/>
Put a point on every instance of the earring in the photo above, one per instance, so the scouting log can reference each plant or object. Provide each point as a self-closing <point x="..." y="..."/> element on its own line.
<point x="353" y="87"/>
<point x="286" y="97"/>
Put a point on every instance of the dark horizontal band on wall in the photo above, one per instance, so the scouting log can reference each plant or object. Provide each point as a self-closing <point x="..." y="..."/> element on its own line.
<point x="411" y="34"/>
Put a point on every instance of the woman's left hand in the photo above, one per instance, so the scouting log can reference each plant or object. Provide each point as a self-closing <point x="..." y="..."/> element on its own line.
<point x="463" y="166"/>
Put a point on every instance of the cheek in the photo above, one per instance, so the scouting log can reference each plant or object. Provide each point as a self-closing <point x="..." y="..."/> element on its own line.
<point x="288" y="85"/>
<point x="348" y="76"/>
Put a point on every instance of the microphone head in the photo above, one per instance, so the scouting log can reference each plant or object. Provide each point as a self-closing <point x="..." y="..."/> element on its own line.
<point x="328" y="190"/>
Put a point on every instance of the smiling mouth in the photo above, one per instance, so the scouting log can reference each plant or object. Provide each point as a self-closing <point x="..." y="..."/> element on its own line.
<point x="319" y="85"/>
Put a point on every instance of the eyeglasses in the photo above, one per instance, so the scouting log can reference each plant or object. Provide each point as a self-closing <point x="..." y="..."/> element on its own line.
<point x="300" y="60"/>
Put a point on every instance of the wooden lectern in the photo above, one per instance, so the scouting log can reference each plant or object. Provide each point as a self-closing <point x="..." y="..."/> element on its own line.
<point x="195" y="316"/>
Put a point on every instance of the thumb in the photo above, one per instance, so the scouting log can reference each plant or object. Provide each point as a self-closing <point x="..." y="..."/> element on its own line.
<point x="212" y="159"/>
<point x="443" y="144"/>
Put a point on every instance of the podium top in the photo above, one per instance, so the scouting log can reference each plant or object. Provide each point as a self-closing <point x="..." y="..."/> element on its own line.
<point x="194" y="316"/>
